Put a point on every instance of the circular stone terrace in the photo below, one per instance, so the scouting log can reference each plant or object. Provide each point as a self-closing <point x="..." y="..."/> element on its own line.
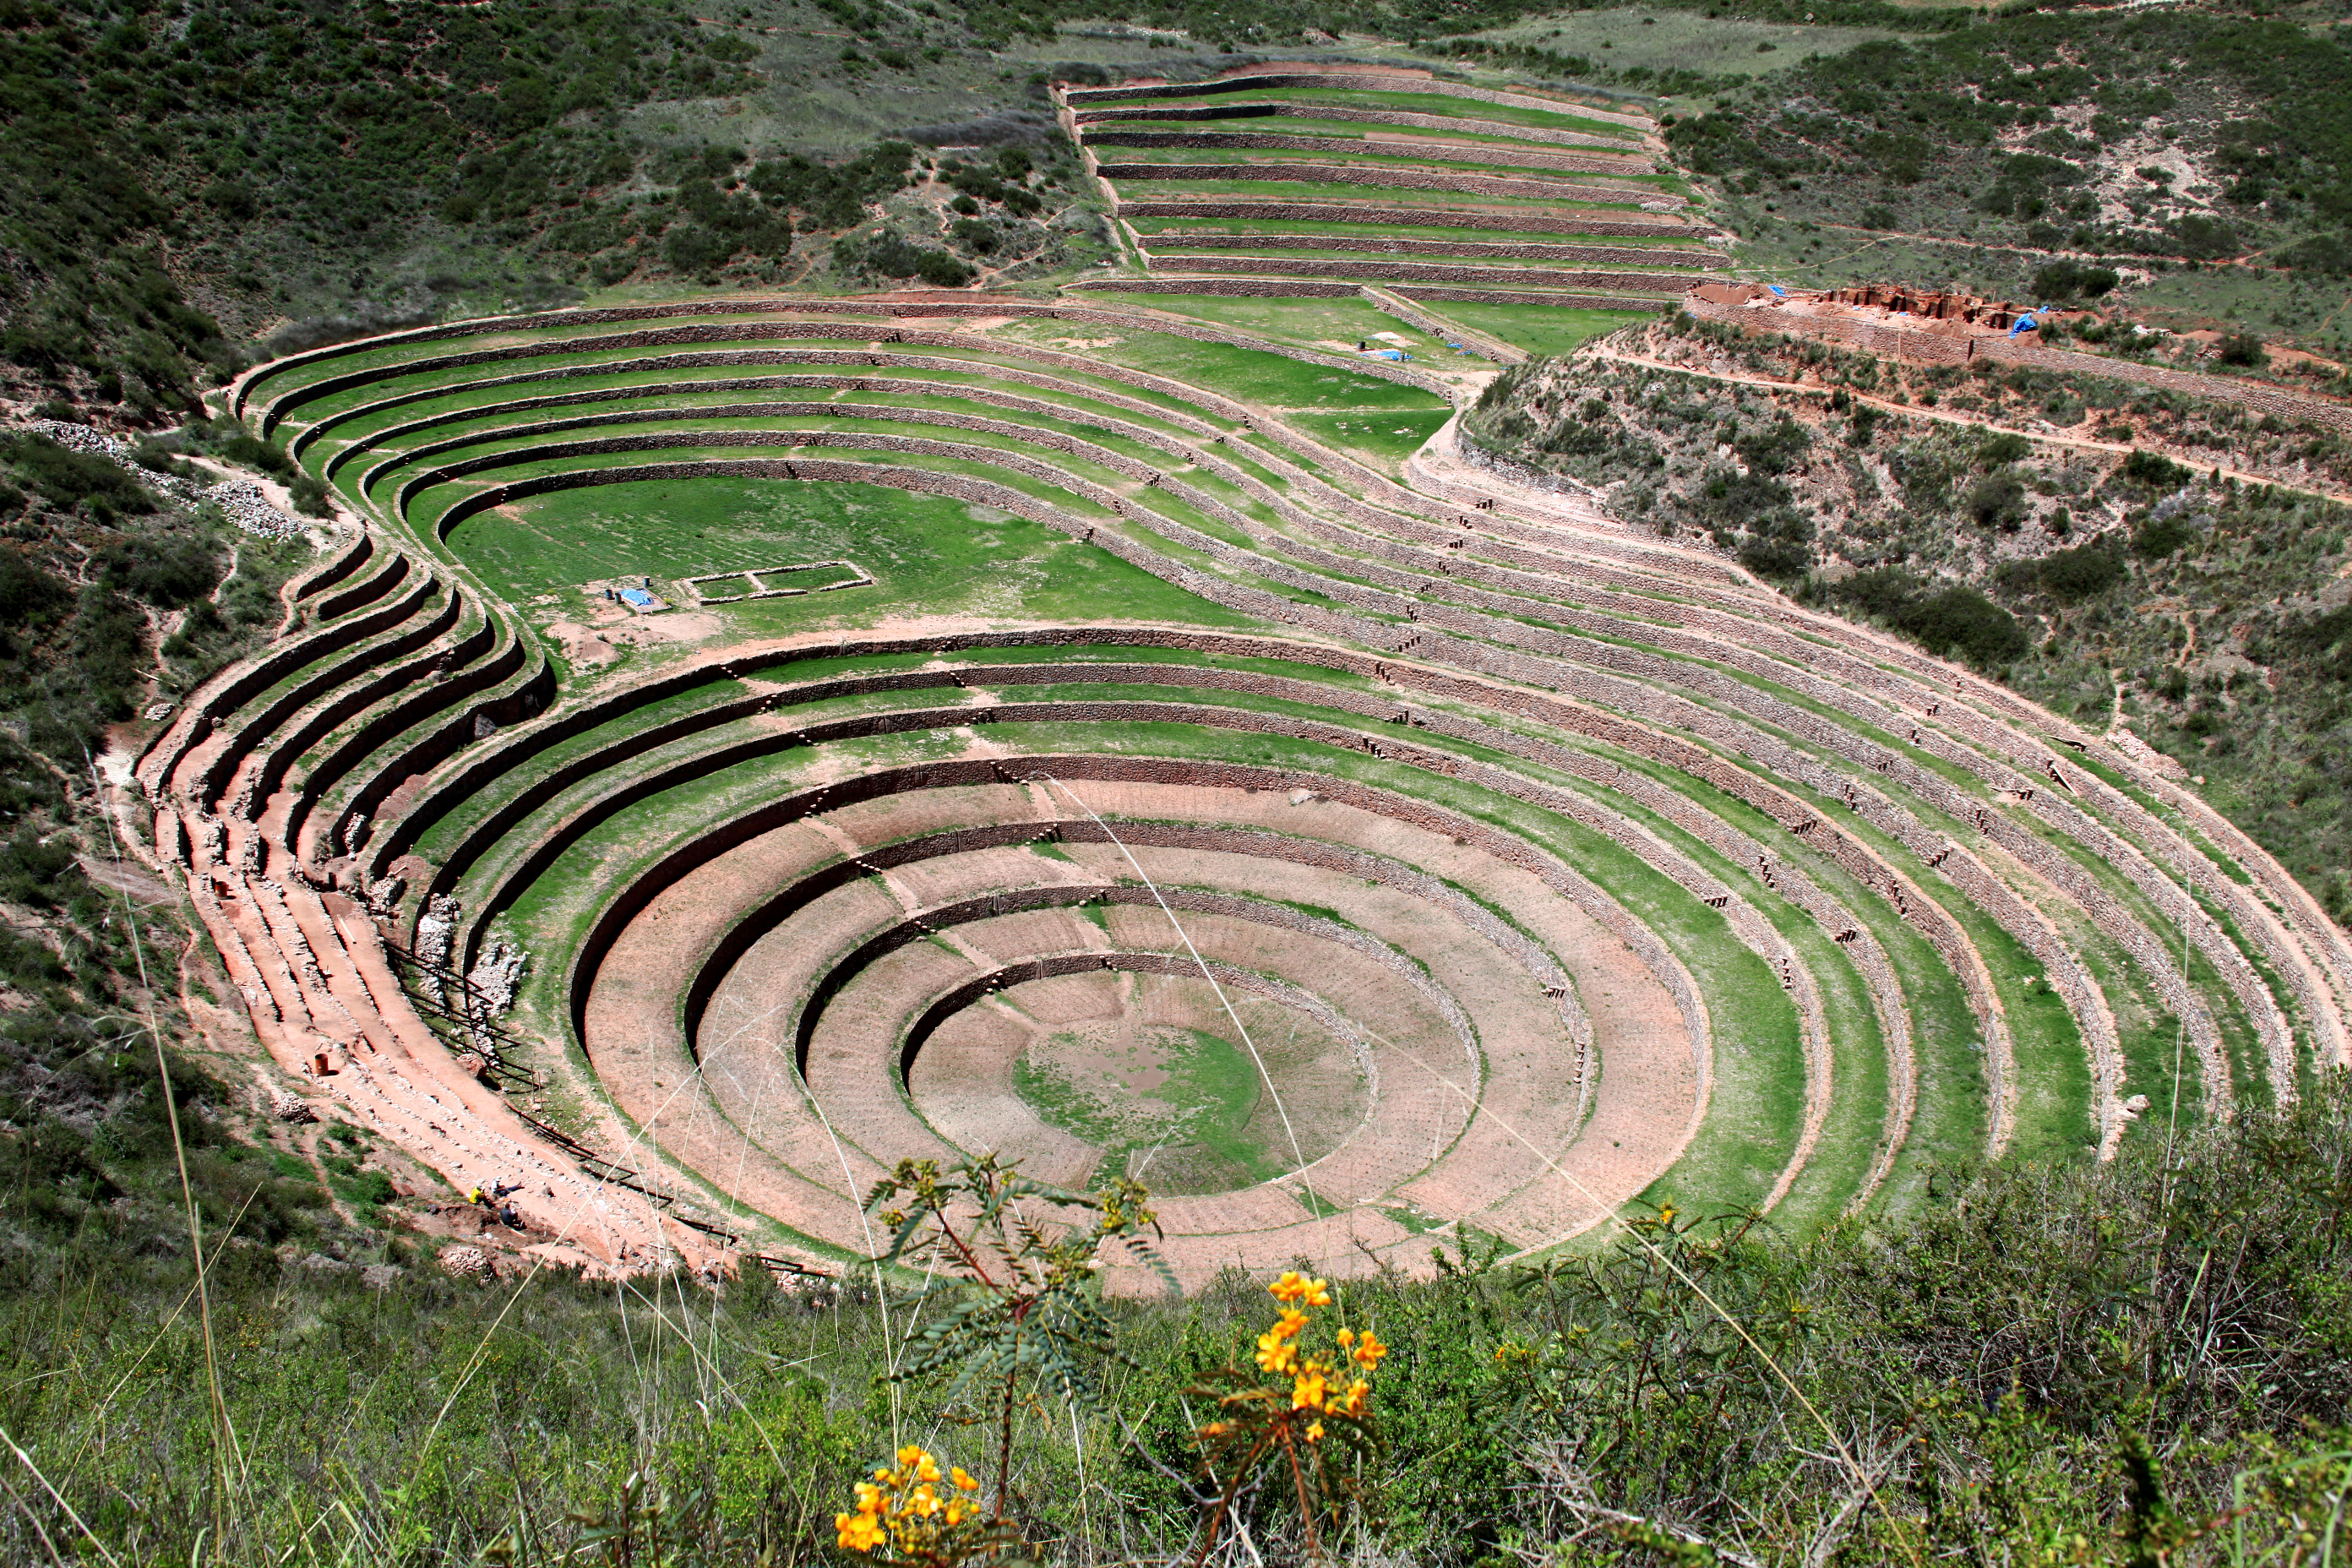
<point x="1199" y="772"/>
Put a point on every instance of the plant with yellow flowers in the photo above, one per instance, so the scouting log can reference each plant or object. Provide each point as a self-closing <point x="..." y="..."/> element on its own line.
<point x="1306" y="1408"/>
<point x="1018" y="1263"/>
<point x="914" y="1515"/>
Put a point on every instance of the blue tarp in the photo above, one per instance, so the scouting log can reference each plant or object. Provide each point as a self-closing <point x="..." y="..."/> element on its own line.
<point x="639" y="599"/>
<point x="1396" y="355"/>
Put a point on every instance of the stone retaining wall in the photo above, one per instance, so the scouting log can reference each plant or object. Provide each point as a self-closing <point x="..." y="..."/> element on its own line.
<point x="1914" y="907"/>
<point x="1439" y="151"/>
<point x="632" y="899"/>
<point x="920" y="925"/>
<point x="1646" y="303"/>
<point x="1350" y="81"/>
<point x="1746" y="924"/>
<point x="1400" y="272"/>
<point x="945" y="303"/>
<point x="1690" y="258"/>
<point x="530" y="687"/>
<point x="977" y="393"/>
<point x="878" y="334"/>
<point x="1434" y="217"/>
<point x="241" y="683"/>
<point x="1477" y="625"/>
<point x="438" y="667"/>
<point x="1462" y="125"/>
<point x="401" y="639"/>
<point x="1526" y="187"/>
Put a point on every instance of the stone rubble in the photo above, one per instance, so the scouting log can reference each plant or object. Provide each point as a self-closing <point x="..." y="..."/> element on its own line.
<point x="243" y="501"/>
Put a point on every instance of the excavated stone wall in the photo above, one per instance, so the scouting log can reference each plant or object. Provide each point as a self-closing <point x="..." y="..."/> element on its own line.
<point x="1350" y="81"/>
<point x="1442" y="152"/>
<point x="1392" y="179"/>
<point x="403" y="637"/>
<point x="1371" y="212"/>
<point x="1936" y="348"/>
<point x="1463" y="126"/>
<point x="1400" y="272"/>
<point x="1690" y="258"/>
<point x="240" y="684"/>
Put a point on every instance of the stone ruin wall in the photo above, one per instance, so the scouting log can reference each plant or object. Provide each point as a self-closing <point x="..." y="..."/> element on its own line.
<point x="1495" y="157"/>
<point x="1343" y="212"/>
<point x="1352" y="81"/>
<point x="1441" y="272"/>
<point x="1468" y="251"/>
<point x="1936" y="348"/>
<point x="1392" y="179"/>
<point x="1405" y="117"/>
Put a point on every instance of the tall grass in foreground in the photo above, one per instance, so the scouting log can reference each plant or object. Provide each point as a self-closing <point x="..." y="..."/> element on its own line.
<point x="2144" y="1363"/>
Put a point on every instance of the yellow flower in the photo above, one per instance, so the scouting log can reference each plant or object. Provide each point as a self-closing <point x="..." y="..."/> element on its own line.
<point x="955" y="1514"/>
<point x="909" y="1457"/>
<point x="869" y="1498"/>
<point x="927" y="1469"/>
<point x="1369" y="1350"/>
<point x="1353" y="1404"/>
<point x="1315" y="1433"/>
<point x="857" y="1532"/>
<point x="923" y="1501"/>
<point x="1667" y="1214"/>
<point x="1295" y="1287"/>
<point x="1275" y="1353"/>
<point x="963" y="1482"/>
<point x="1307" y="1390"/>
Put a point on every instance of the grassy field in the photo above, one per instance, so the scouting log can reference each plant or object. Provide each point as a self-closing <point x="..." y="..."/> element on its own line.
<point x="1671" y="39"/>
<point x="1539" y="329"/>
<point x="1187" y="1108"/>
<point x="929" y="555"/>
<point x="1325" y="324"/>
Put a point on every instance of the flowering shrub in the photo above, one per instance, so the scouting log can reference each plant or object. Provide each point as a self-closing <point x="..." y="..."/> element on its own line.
<point x="911" y="1514"/>
<point x="1306" y="1406"/>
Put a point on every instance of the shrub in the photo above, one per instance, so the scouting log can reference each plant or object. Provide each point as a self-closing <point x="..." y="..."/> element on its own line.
<point x="1941" y="619"/>
<point x="2069" y="279"/>
<point x="2243" y="350"/>
<point x="1997" y="451"/>
<point x="2154" y="470"/>
<point x="67" y="477"/>
<point x="1997" y="500"/>
<point x="166" y="572"/>
<point x="2160" y="537"/>
<point x="2080" y="572"/>
<point x="311" y="497"/>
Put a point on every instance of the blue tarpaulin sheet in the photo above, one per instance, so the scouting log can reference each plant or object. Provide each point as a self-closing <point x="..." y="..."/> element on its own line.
<point x="639" y="599"/>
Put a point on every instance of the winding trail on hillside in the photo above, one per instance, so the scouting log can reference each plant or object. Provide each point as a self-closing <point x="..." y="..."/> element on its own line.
<point x="1603" y="349"/>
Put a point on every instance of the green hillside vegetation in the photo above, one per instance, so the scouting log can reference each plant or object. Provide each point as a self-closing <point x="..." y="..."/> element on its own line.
<point x="2135" y="1363"/>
